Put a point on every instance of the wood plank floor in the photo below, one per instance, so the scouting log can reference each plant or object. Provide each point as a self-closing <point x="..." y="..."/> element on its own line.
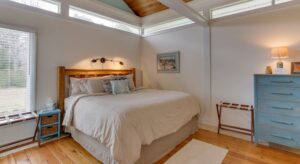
<point x="240" y="152"/>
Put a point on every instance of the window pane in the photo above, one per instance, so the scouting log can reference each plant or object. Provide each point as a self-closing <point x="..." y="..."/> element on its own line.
<point x="239" y="7"/>
<point x="14" y="70"/>
<point x="167" y="25"/>
<point x="282" y="1"/>
<point x="49" y="5"/>
<point x="89" y="16"/>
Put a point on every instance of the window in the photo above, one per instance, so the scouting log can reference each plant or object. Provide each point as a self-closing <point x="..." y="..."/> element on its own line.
<point x="167" y="25"/>
<point x="49" y="5"/>
<point x="89" y="16"/>
<point x="239" y="7"/>
<point x="17" y="70"/>
<point x="282" y="1"/>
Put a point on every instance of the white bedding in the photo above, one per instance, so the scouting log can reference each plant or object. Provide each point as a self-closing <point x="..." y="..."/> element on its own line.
<point x="125" y="122"/>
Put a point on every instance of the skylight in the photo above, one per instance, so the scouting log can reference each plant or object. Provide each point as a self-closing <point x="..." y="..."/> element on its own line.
<point x="167" y="25"/>
<point x="239" y="7"/>
<point x="92" y="17"/>
<point x="48" y="5"/>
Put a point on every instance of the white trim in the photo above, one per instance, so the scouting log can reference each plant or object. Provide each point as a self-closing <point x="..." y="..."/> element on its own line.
<point x="171" y="30"/>
<point x="106" y="10"/>
<point x="96" y="15"/>
<point x="18" y="149"/>
<point x="258" y="11"/>
<point x="32" y="71"/>
<point x="244" y="6"/>
<point x="56" y="3"/>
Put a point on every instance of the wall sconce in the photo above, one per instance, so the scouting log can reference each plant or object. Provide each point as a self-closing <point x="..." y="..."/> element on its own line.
<point x="103" y="60"/>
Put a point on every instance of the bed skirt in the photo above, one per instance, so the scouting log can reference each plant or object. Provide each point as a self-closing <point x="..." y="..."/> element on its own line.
<point x="149" y="153"/>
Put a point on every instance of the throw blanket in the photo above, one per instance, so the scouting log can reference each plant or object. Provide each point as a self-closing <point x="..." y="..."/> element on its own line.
<point x="125" y="122"/>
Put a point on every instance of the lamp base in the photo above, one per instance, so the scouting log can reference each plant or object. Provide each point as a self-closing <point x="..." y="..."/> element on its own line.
<point x="280" y="71"/>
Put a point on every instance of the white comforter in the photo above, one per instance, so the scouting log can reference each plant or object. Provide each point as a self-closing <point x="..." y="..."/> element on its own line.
<point x="125" y="122"/>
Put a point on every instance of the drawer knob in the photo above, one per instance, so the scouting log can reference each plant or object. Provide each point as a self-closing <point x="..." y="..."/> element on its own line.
<point x="283" y="94"/>
<point x="284" y="82"/>
<point x="282" y="137"/>
<point x="282" y="122"/>
<point x="282" y="108"/>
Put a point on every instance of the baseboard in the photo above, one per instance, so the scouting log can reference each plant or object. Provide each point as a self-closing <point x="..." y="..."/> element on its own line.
<point x="35" y="144"/>
<point x="18" y="149"/>
<point x="214" y="129"/>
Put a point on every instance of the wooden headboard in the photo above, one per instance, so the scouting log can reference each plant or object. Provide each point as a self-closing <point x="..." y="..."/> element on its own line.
<point x="83" y="73"/>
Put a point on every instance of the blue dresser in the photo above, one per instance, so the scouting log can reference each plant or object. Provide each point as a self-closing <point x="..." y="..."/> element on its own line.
<point x="277" y="109"/>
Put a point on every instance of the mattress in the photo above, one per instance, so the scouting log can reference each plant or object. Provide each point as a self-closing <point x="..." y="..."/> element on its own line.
<point x="125" y="122"/>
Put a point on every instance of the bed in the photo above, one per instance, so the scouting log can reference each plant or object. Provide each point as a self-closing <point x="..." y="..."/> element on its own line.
<point x="139" y="127"/>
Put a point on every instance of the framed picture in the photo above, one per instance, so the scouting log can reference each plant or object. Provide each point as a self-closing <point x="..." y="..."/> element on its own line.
<point x="295" y="68"/>
<point x="168" y="62"/>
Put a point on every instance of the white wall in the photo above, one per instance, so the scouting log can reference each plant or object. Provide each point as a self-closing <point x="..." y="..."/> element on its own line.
<point x="67" y="43"/>
<point x="71" y="44"/>
<point x="190" y="43"/>
<point x="241" y="48"/>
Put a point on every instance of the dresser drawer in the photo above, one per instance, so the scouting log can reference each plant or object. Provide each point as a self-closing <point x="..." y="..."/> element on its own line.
<point x="49" y="130"/>
<point x="284" y="122"/>
<point x="283" y="81"/>
<point x="279" y="107"/>
<point x="278" y="93"/>
<point x="49" y="119"/>
<point x="278" y="136"/>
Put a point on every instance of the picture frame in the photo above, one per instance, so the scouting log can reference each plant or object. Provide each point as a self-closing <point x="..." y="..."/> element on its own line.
<point x="168" y="62"/>
<point x="295" y="68"/>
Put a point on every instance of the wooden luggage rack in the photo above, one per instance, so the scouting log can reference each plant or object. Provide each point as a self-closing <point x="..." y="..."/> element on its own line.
<point x="234" y="106"/>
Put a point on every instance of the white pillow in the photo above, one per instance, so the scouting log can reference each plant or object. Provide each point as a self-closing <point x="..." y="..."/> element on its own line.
<point x="95" y="84"/>
<point x="130" y="81"/>
<point x="78" y="86"/>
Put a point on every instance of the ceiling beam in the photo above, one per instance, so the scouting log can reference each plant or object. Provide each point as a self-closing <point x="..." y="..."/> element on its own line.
<point x="180" y="7"/>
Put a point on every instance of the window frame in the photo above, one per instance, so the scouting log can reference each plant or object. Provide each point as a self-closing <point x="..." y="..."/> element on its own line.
<point x="32" y="63"/>
<point x="96" y="14"/>
<point x="54" y="2"/>
<point x="167" y="28"/>
<point x="236" y="3"/>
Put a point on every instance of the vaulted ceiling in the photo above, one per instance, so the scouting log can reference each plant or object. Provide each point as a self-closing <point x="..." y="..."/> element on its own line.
<point x="146" y="7"/>
<point x="140" y="8"/>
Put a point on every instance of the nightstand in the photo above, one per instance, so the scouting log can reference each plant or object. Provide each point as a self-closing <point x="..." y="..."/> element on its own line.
<point x="48" y="125"/>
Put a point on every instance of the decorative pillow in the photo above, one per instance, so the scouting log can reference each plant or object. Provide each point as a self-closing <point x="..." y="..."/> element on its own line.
<point x="78" y="86"/>
<point x="94" y="84"/>
<point x="120" y="86"/>
<point x="107" y="85"/>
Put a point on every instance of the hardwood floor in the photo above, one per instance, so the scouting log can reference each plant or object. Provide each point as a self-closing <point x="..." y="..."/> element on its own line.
<point x="65" y="150"/>
<point x="240" y="152"/>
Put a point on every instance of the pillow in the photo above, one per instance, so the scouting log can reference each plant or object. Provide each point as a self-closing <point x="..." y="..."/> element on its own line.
<point x="120" y="86"/>
<point x="130" y="81"/>
<point x="95" y="84"/>
<point x="78" y="86"/>
<point x="107" y="85"/>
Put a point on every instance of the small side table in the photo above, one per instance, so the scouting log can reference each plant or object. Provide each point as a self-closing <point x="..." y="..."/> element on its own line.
<point x="48" y="125"/>
<point x="226" y="105"/>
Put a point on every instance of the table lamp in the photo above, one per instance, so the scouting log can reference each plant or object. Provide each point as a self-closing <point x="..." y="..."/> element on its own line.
<point x="280" y="53"/>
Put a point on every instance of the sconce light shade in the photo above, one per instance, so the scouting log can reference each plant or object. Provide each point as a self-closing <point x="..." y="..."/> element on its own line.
<point x="280" y="53"/>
